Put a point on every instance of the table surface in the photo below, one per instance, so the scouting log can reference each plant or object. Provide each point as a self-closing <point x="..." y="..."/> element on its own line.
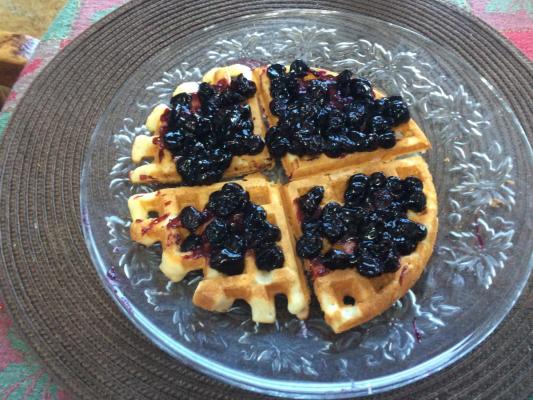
<point x="22" y="376"/>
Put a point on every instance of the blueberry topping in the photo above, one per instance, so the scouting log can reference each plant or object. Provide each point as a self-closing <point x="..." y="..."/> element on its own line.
<point x="236" y="226"/>
<point x="227" y="261"/>
<point x="330" y="115"/>
<point x="203" y="141"/>
<point x="191" y="218"/>
<point x="371" y="228"/>
<point x="191" y="242"/>
<point x="269" y="257"/>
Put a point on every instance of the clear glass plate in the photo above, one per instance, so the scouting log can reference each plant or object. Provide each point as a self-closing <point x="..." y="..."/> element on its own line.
<point x="480" y="264"/>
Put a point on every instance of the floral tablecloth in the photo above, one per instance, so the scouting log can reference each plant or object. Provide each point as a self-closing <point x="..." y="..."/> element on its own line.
<point x="22" y="375"/>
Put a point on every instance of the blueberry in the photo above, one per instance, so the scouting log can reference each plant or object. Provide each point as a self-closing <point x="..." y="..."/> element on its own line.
<point x="275" y="71"/>
<point x="412" y="184"/>
<point x="309" y="246"/>
<point x="190" y="243"/>
<point x="370" y="266"/>
<point x="191" y="218"/>
<point x="371" y="142"/>
<point x="377" y="180"/>
<point x="278" y="144"/>
<point x="379" y="106"/>
<point x="230" y="199"/>
<point x="254" y="145"/>
<point x="205" y="92"/>
<point x="227" y="261"/>
<point x="379" y="125"/>
<point x="356" y="114"/>
<point x="332" y="226"/>
<point x="309" y="202"/>
<point x="254" y="215"/>
<point x="337" y="259"/>
<point x="343" y="82"/>
<point x="269" y="257"/>
<point x="356" y="190"/>
<point x="411" y="230"/>
<point x="299" y="68"/>
<point x="216" y="231"/>
<point x="361" y="89"/>
<point x="416" y="201"/>
<point x="182" y="99"/>
<point x="243" y="86"/>
<point x="387" y="140"/>
<point x="395" y="186"/>
<point x="397" y="110"/>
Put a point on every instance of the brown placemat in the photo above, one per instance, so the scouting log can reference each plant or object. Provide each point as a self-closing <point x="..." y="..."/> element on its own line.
<point x="46" y="275"/>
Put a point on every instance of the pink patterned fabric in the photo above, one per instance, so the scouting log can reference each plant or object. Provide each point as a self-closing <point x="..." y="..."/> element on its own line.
<point x="21" y="374"/>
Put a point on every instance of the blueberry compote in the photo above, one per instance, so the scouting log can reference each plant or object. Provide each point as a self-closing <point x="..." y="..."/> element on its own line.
<point x="334" y="115"/>
<point x="205" y="130"/>
<point x="233" y="226"/>
<point x="370" y="231"/>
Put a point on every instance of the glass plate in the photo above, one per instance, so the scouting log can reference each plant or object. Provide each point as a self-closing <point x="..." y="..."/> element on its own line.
<point x="480" y="264"/>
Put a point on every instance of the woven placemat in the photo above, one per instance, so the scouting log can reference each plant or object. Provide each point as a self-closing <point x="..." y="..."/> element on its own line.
<point x="46" y="275"/>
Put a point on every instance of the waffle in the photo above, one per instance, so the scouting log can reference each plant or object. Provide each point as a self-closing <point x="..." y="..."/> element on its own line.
<point x="162" y="167"/>
<point x="372" y="295"/>
<point x="217" y="292"/>
<point x="410" y="138"/>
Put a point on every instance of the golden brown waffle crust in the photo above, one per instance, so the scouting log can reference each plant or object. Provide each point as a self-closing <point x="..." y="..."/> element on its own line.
<point x="410" y="138"/>
<point x="217" y="292"/>
<point x="162" y="167"/>
<point x="372" y="295"/>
